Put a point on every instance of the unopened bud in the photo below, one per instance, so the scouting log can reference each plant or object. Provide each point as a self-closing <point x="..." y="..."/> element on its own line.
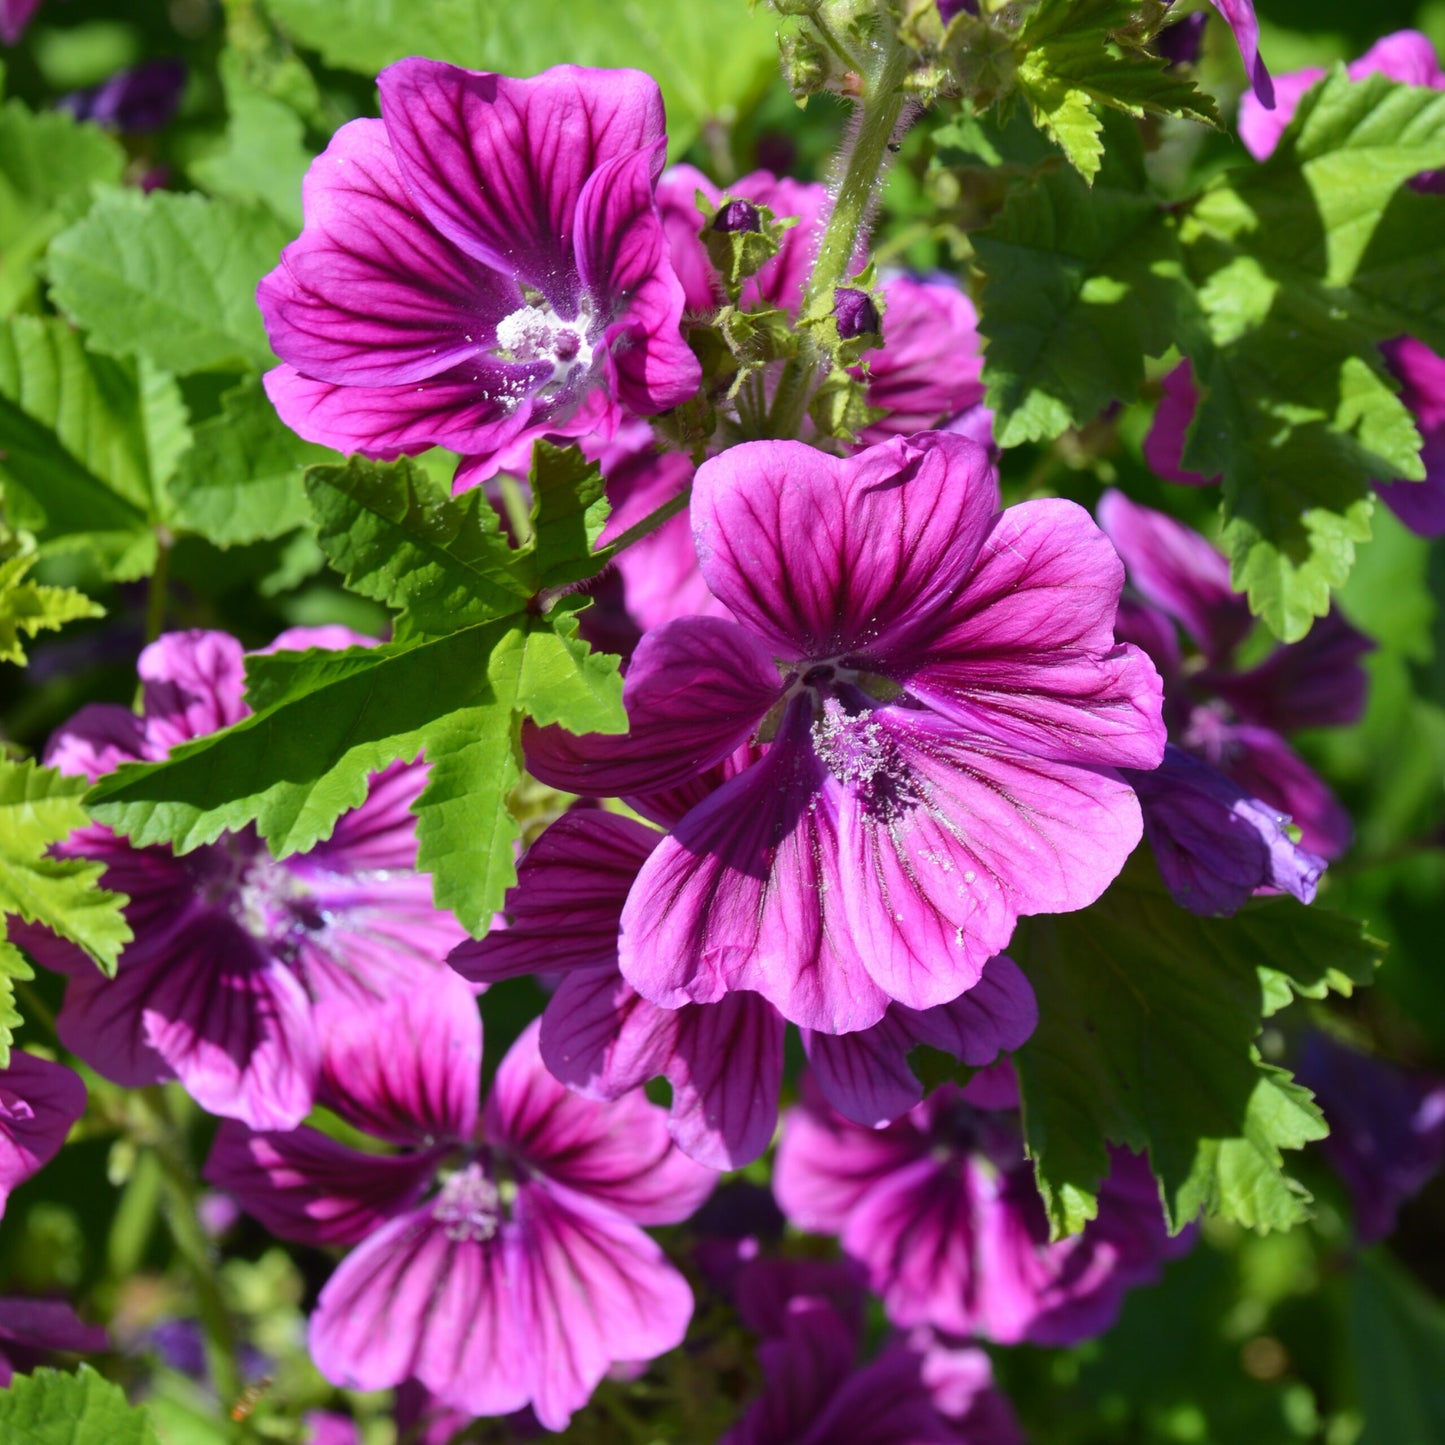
<point x="947" y="9"/>
<point x="1180" y="44"/>
<point x="855" y="313"/>
<point x="737" y="216"/>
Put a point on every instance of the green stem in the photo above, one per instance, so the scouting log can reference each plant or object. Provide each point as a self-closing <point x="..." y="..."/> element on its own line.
<point x="37" y="1011"/>
<point x="156" y="595"/>
<point x="879" y="112"/>
<point x="180" y="1191"/>
<point x="649" y="524"/>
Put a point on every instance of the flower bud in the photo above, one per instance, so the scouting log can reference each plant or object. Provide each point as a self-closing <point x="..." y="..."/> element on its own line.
<point x="855" y="313"/>
<point x="947" y="9"/>
<point x="736" y="216"/>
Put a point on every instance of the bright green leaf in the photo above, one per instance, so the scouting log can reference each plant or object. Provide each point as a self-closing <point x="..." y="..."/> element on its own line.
<point x="48" y="163"/>
<point x="86" y="444"/>
<point x="50" y="1407"/>
<point x="1148" y="1016"/>
<point x="170" y="277"/>
<point x="242" y="481"/>
<point x="39" y="807"/>
<point x="13" y="968"/>
<point x="27" y="608"/>
<point x="569" y="511"/>
<point x="712" y="58"/>
<point x="1080" y="286"/>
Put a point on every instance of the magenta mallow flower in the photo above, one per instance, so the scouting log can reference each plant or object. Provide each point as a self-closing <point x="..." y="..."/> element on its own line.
<point x="938" y="706"/>
<point x="238" y="959"/>
<point x="724" y="1059"/>
<point x="39" y="1101"/>
<point x="496" y="1254"/>
<point x="482" y="265"/>
<point x="942" y="1210"/>
<point x="1231" y="718"/>
<point x="1387" y="1128"/>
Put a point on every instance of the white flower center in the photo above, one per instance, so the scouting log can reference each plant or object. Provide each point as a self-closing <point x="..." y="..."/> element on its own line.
<point x="537" y="333"/>
<point x="469" y="1206"/>
<point x="851" y="746"/>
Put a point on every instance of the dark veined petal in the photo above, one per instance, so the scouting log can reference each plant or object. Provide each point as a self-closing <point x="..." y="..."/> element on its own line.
<point x="39" y="1101"/>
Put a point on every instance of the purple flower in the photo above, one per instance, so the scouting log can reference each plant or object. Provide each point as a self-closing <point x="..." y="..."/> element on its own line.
<point x="1241" y="19"/>
<point x="495" y="1259"/>
<point x="482" y="265"/>
<point x="31" y="1329"/>
<point x="238" y="960"/>
<point x="1230" y="718"/>
<point x="855" y="312"/>
<point x="14" y="17"/>
<point x="724" y="1060"/>
<point x="143" y="98"/>
<point x="942" y="1210"/>
<point x="39" y="1101"/>
<point x="1387" y="1128"/>
<point x="938" y="704"/>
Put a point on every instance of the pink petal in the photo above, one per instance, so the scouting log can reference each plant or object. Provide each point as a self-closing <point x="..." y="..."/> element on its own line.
<point x="39" y="1101"/>
<point x="194" y="684"/>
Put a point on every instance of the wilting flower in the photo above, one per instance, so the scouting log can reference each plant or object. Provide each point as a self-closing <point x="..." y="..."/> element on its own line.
<point x="724" y="1060"/>
<point x="938" y="704"/>
<point x="482" y="265"/>
<point x="942" y="1210"/>
<point x="1209" y="833"/>
<point x="1387" y="1128"/>
<point x="1408" y="57"/>
<point x="497" y="1256"/>
<point x="236" y="956"/>
<point x="39" y="1101"/>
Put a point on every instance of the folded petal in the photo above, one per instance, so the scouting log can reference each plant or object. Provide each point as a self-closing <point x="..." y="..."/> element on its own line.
<point x="39" y="1101"/>
<point x="498" y="165"/>
<point x="1214" y="844"/>
<point x="696" y="690"/>
<point x="747" y="893"/>
<point x="618" y="1154"/>
<point x="566" y="909"/>
<point x="370" y="294"/>
<point x="593" y="1290"/>
<point x="950" y="838"/>
<point x="824" y="556"/>
<point x="622" y="258"/>
<point x="1176" y="569"/>
<point x="305" y="1187"/>
<point x="866" y="1076"/>
<point x="98" y="739"/>
<point x="1178" y="401"/>
<point x="1026" y="652"/>
<point x="416" y="1301"/>
<point x="194" y="684"/>
<point x="408" y="1068"/>
<point x="1241" y="19"/>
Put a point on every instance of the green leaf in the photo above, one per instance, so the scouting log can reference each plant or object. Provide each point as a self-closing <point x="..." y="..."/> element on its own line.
<point x="712" y="58"/>
<point x="169" y="277"/>
<point x="40" y="807"/>
<point x="1148" y="1016"/>
<point x="569" y="511"/>
<point x="48" y="163"/>
<point x="1397" y="1337"/>
<point x="1080" y="286"/>
<point x="324" y="721"/>
<point x="27" y="608"/>
<point x="87" y="444"/>
<point x="50" y="1407"/>
<point x="1079" y="55"/>
<point x="242" y="481"/>
<point x="13" y="968"/>
<point x="265" y="153"/>
<point x="1302" y="265"/>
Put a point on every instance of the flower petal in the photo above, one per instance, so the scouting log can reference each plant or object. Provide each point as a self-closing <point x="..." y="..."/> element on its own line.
<point x="1241" y="18"/>
<point x="408" y="1068"/>
<point x="695" y="691"/>
<point x="39" y="1101"/>
<point x="618" y="1154"/>
<point x="498" y="165"/>
<point x="1168" y="436"/>
<point x="593" y="1290"/>
<point x="194" y="684"/>
<point x="566" y="909"/>
<point x="953" y="838"/>
<point x="370" y="294"/>
<point x="305" y="1187"/>
<point x="747" y="893"/>
<point x="412" y="1301"/>
<point x="822" y="556"/>
<point x="1026" y="652"/>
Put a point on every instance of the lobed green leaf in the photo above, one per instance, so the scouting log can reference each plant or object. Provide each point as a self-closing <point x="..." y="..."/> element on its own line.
<point x="51" y="1407"/>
